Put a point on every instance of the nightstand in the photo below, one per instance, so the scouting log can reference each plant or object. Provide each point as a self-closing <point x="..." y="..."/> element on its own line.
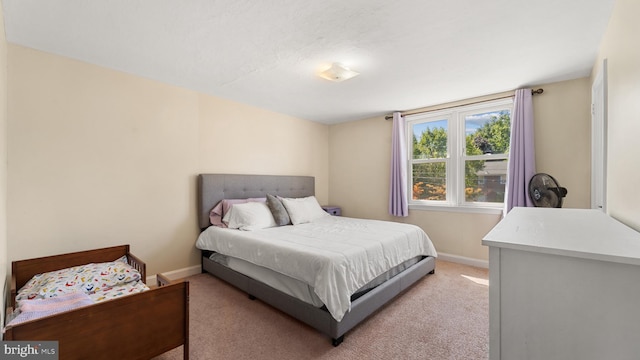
<point x="333" y="210"/>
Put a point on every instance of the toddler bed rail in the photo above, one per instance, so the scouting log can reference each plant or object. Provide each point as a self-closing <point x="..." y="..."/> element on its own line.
<point x="137" y="326"/>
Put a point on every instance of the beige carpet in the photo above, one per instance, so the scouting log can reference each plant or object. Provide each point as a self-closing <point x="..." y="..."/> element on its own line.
<point x="443" y="316"/>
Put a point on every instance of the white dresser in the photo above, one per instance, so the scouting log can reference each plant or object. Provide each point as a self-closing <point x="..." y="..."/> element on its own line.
<point x="563" y="284"/>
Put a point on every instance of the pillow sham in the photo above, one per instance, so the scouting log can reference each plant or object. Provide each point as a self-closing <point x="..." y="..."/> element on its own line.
<point x="249" y="216"/>
<point x="278" y="211"/>
<point x="222" y="207"/>
<point x="303" y="210"/>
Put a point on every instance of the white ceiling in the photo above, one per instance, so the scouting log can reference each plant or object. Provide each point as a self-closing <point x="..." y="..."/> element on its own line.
<point x="266" y="53"/>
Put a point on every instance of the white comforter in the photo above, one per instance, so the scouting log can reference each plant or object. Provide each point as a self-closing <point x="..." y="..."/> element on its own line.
<point x="335" y="255"/>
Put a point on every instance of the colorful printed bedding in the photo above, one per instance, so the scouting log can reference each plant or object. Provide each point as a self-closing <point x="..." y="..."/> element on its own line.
<point x="67" y="289"/>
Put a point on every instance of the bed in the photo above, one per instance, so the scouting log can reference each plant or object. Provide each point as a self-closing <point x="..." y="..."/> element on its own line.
<point x="326" y="318"/>
<point x="136" y="326"/>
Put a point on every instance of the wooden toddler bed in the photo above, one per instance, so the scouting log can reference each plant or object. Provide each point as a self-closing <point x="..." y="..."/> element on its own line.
<point x="212" y="188"/>
<point x="137" y="326"/>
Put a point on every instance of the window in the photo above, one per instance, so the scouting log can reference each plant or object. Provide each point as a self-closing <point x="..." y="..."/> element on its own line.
<point x="458" y="156"/>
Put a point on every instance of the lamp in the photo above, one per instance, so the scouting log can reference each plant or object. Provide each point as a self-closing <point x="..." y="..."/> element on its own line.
<point x="338" y="72"/>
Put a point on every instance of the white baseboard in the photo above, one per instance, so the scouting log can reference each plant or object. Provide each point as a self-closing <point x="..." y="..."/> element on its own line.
<point x="463" y="260"/>
<point x="177" y="274"/>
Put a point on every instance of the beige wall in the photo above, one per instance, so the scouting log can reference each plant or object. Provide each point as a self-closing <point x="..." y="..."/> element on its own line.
<point x="359" y="157"/>
<point x="3" y="165"/>
<point x="563" y="137"/>
<point x="98" y="157"/>
<point x="619" y="47"/>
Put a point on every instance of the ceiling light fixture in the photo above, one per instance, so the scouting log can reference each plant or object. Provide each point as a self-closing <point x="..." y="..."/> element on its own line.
<point x="338" y="72"/>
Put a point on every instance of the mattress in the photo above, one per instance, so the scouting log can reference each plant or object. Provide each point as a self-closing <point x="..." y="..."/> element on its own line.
<point x="335" y="256"/>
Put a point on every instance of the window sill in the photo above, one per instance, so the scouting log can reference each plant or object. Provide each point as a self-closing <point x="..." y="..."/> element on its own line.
<point x="459" y="209"/>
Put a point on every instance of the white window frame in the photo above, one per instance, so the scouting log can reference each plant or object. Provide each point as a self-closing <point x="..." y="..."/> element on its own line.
<point x="456" y="156"/>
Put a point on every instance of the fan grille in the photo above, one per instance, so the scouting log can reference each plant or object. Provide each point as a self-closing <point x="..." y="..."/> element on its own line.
<point x="545" y="191"/>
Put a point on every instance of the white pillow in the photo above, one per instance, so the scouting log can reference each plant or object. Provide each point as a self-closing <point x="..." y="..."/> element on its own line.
<point x="303" y="210"/>
<point x="249" y="216"/>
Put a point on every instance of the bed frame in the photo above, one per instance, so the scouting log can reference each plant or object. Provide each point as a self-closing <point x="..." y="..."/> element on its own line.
<point x="138" y="326"/>
<point x="214" y="187"/>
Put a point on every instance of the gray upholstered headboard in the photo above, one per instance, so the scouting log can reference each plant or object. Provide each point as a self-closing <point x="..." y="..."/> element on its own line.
<point x="214" y="187"/>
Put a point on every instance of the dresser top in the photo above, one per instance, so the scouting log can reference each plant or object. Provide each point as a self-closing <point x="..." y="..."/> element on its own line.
<point x="583" y="233"/>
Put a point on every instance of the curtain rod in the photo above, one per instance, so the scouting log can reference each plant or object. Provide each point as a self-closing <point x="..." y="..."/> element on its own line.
<point x="390" y="117"/>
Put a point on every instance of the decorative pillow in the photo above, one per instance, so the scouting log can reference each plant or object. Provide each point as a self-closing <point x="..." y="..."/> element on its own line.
<point x="215" y="215"/>
<point x="222" y="207"/>
<point x="278" y="211"/>
<point x="249" y="216"/>
<point x="303" y="210"/>
<point x="87" y="278"/>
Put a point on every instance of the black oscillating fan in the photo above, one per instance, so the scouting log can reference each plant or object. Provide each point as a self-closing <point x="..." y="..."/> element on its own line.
<point x="545" y="191"/>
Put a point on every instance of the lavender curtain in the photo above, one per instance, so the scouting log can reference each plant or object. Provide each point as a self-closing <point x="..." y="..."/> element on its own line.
<point x="522" y="160"/>
<point x="398" y="202"/>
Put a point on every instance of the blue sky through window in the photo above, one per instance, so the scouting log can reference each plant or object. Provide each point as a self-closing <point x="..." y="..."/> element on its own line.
<point x="418" y="129"/>
<point x="472" y="123"/>
<point x="475" y="121"/>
